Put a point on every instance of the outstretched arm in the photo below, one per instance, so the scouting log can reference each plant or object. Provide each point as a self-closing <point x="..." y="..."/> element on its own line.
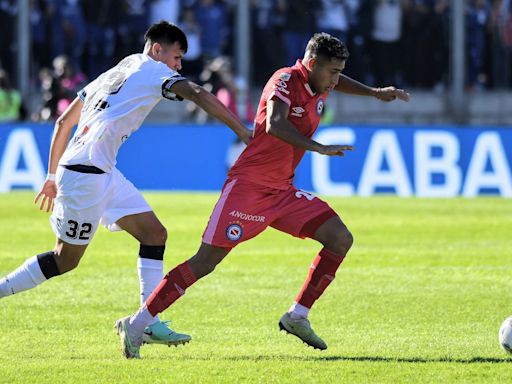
<point x="354" y="87"/>
<point x="61" y="133"/>
<point x="279" y="126"/>
<point x="204" y="99"/>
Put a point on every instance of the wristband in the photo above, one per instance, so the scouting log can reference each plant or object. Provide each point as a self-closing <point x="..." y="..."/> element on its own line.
<point x="50" y="177"/>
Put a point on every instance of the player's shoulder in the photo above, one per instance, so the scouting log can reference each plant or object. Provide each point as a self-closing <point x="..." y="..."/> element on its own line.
<point x="285" y="74"/>
<point x="131" y="61"/>
<point x="158" y="68"/>
<point x="285" y="82"/>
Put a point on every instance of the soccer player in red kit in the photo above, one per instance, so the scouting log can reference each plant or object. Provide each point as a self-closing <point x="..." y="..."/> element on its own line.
<point x="259" y="190"/>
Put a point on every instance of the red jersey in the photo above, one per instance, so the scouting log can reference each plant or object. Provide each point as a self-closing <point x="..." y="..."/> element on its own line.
<point x="270" y="161"/>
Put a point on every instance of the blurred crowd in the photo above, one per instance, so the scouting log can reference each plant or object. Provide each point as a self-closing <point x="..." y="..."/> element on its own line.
<point x="401" y="42"/>
<point x="404" y="42"/>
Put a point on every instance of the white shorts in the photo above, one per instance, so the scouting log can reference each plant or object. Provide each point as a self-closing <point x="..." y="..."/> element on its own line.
<point x="84" y="200"/>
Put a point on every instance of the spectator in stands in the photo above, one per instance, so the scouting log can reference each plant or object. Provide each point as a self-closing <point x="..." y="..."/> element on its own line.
<point x="212" y="18"/>
<point x="39" y="37"/>
<point x="339" y="18"/>
<point x="300" y="24"/>
<point x="69" y="82"/>
<point x="500" y="27"/>
<point x="334" y="17"/>
<point x="386" y="34"/>
<point x="101" y="19"/>
<point x="360" y="36"/>
<point x="10" y="100"/>
<point x="441" y="43"/>
<point x="193" y="60"/>
<point x="266" y="36"/>
<point x="47" y="107"/>
<point x="8" y="22"/>
<point x="68" y="30"/>
<point x="167" y="10"/>
<point x="425" y="28"/>
<point x="58" y="88"/>
<point x="218" y="79"/>
<point x="476" y="24"/>
<point x="133" y="22"/>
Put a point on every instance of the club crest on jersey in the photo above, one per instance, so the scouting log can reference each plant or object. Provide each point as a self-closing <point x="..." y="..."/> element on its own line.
<point x="285" y="76"/>
<point x="320" y="107"/>
<point x="234" y="232"/>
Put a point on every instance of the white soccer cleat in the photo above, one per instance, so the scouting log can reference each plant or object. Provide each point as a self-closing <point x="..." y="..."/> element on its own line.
<point x="130" y="340"/>
<point x="302" y="329"/>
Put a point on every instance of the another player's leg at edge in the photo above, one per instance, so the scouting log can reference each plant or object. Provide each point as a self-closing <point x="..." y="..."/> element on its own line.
<point x="152" y="236"/>
<point x="65" y="257"/>
<point x="332" y="234"/>
<point x="337" y="240"/>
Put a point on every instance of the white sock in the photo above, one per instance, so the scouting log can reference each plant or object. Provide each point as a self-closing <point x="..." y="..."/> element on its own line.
<point x="141" y="319"/>
<point x="151" y="272"/>
<point x="27" y="276"/>
<point x="298" y="311"/>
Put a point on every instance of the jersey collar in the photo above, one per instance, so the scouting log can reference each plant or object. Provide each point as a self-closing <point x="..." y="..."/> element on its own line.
<point x="304" y="74"/>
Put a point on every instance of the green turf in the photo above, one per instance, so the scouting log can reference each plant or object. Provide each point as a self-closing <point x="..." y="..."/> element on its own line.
<point x="419" y="300"/>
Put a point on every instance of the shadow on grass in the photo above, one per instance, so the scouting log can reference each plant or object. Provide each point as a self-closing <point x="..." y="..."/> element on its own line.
<point x="378" y="359"/>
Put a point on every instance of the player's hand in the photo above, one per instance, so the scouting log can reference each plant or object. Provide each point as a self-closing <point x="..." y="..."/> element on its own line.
<point x="391" y="93"/>
<point x="48" y="193"/>
<point x="335" y="150"/>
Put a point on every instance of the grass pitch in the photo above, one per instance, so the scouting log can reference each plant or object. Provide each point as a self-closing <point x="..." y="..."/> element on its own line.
<point x="420" y="298"/>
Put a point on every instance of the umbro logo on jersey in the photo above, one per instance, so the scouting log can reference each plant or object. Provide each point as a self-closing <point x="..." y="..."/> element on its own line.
<point x="180" y="290"/>
<point x="297" y="111"/>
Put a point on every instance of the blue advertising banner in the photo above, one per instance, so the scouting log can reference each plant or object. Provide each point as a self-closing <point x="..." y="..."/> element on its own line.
<point x="425" y="161"/>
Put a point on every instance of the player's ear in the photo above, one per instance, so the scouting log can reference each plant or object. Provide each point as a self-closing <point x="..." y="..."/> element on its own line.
<point x="156" y="48"/>
<point x="311" y="63"/>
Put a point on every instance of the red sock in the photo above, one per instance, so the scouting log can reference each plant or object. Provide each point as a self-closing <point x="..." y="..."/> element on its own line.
<point x="321" y="274"/>
<point x="171" y="288"/>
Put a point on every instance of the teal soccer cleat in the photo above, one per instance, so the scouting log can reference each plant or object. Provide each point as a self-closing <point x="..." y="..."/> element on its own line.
<point x="160" y="333"/>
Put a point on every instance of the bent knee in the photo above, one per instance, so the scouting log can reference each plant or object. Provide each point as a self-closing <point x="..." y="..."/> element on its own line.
<point x="340" y="242"/>
<point x="162" y="234"/>
<point x="156" y="235"/>
<point x="66" y="262"/>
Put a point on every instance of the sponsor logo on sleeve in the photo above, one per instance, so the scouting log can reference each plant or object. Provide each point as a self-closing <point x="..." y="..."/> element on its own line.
<point x="281" y="85"/>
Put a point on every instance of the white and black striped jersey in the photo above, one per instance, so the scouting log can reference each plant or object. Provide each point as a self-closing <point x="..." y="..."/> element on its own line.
<point x="115" y="105"/>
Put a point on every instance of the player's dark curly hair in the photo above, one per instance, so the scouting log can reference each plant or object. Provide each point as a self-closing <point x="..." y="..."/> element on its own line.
<point x="166" y="33"/>
<point x="325" y="45"/>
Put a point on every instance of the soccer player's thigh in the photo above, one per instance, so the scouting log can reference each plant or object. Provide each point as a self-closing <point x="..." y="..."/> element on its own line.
<point x="243" y="211"/>
<point x="128" y="210"/>
<point x="301" y="214"/>
<point x="76" y="213"/>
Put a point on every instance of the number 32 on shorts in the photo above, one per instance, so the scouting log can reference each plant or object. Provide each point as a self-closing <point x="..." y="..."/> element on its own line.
<point x="307" y="195"/>
<point x="82" y="232"/>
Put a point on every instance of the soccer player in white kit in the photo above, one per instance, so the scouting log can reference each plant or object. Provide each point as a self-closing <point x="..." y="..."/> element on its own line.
<point x="84" y="186"/>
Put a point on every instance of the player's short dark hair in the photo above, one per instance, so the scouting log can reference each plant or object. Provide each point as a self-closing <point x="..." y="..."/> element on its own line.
<point x="327" y="46"/>
<point x="166" y="33"/>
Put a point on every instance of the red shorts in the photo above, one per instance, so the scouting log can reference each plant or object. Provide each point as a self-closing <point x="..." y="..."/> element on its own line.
<point x="245" y="209"/>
